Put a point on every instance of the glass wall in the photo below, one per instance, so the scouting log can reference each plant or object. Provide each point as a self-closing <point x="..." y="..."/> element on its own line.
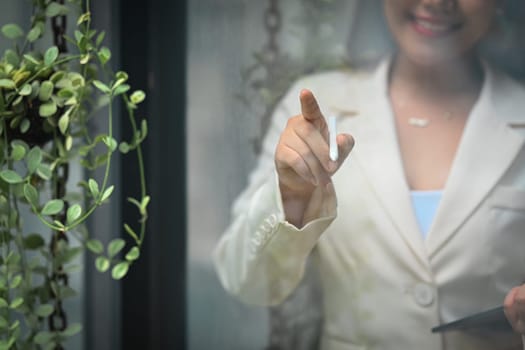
<point x="242" y="57"/>
<point x="224" y="126"/>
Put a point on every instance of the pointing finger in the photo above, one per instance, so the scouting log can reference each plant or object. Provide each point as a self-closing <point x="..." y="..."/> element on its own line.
<point x="309" y="107"/>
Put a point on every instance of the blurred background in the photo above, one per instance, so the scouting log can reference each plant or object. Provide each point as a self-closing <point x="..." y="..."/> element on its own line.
<point x="212" y="70"/>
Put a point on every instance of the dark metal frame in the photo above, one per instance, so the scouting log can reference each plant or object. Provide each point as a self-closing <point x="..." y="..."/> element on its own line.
<point x="147" y="309"/>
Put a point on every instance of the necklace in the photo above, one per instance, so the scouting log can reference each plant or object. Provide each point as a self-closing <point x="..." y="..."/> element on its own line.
<point x="420" y="122"/>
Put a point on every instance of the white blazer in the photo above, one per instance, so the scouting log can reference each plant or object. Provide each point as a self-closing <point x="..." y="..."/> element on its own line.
<point x="384" y="285"/>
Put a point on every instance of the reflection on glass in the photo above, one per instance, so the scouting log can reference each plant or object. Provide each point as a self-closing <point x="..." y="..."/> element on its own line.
<point x="344" y="253"/>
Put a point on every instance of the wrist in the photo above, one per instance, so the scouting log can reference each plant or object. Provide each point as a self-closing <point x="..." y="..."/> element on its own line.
<point x="294" y="204"/>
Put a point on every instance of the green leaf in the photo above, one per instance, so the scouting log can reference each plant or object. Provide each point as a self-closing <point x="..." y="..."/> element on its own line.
<point x="120" y="270"/>
<point x="12" y="31"/>
<point x="33" y="159"/>
<point x="133" y="254"/>
<point x="101" y="86"/>
<point x="83" y="18"/>
<point x="68" y="255"/>
<point x="44" y="171"/>
<point x="78" y="35"/>
<point x="95" y="246"/>
<point x="67" y="292"/>
<point x="65" y="93"/>
<point x="46" y="90"/>
<point x="70" y="269"/>
<point x="3" y="303"/>
<point x="100" y="38"/>
<point x="121" y="89"/>
<point x="69" y="142"/>
<point x="102" y="263"/>
<point x="93" y="188"/>
<point x="14" y="325"/>
<point x="16" y="303"/>
<point x="34" y="241"/>
<point x="107" y="193"/>
<point x="73" y="213"/>
<point x="7" y="84"/>
<point x="12" y="57"/>
<point x="85" y="58"/>
<point x="110" y="142"/>
<point x="43" y="337"/>
<point x="10" y="176"/>
<point x="124" y="147"/>
<point x="121" y="75"/>
<point x="115" y="246"/>
<point x="25" y="90"/>
<point x="53" y="207"/>
<point x="144" y="204"/>
<point x="17" y="102"/>
<point x="104" y="55"/>
<point x="34" y="34"/>
<point x="77" y="80"/>
<point x="12" y="259"/>
<point x="31" y="194"/>
<point x="72" y="329"/>
<point x="3" y="323"/>
<point x="15" y="282"/>
<point x="47" y="109"/>
<point x="57" y="76"/>
<point x="137" y="97"/>
<point x="55" y="9"/>
<point x="45" y="310"/>
<point x="51" y="55"/>
<point x="25" y="125"/>
<point x="31" y="59"/>
<point x="63" y="123"/>
<point x="118" y="83"/>
<point x="18" y="152"/>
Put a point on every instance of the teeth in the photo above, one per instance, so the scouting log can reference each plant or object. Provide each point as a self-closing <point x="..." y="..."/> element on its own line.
<point x="435" y="27"/>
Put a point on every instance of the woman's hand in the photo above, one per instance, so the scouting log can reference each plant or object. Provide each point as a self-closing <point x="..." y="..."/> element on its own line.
<point x="514" y="306"/>
<point x="302" y="157"/>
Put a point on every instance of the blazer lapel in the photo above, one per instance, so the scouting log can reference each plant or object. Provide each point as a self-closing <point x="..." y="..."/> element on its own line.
<point x="487" y="149"/>
<point x="377" y="153"/>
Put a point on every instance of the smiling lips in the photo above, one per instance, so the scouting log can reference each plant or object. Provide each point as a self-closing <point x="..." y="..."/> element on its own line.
<point x="433" y="26"/>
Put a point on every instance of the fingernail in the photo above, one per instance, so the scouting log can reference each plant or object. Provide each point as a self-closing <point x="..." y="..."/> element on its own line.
<point x="332" y="166"/>
<point x="314" y="181"/>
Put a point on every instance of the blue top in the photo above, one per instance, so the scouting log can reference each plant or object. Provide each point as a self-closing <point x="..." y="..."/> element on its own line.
<point x="425" y="205"/>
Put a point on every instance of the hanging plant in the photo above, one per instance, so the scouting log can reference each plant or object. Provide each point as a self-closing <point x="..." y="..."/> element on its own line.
<point x="47" y="99"/>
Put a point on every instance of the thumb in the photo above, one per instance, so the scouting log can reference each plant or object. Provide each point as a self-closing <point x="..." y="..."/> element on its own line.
<point x="309" y="106"/>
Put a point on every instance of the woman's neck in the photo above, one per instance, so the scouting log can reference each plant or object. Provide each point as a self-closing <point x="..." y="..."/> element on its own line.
<point x="450" y="79"/>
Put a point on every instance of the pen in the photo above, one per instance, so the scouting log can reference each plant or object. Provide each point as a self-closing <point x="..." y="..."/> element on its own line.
<point x="332" y="132"/>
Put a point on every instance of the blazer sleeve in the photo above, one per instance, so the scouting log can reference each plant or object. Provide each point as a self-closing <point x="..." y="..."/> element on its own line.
<point x="261" y="258"/>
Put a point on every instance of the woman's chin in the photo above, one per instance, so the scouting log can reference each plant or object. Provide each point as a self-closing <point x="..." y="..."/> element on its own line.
<point x="433" y="57"/>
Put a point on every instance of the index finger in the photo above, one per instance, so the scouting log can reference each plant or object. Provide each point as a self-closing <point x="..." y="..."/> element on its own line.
<point x="309" y="106"/>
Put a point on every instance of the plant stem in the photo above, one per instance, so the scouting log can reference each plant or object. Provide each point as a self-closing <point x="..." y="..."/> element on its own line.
<point x="142" y="176"/>
<point x="103" y="187"/>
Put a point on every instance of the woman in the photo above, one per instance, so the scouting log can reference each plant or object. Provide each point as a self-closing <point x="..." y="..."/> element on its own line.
<point x="435" y="125"/>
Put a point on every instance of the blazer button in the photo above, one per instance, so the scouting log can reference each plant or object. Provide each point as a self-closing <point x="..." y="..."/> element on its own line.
<point x="423" y="294"/>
